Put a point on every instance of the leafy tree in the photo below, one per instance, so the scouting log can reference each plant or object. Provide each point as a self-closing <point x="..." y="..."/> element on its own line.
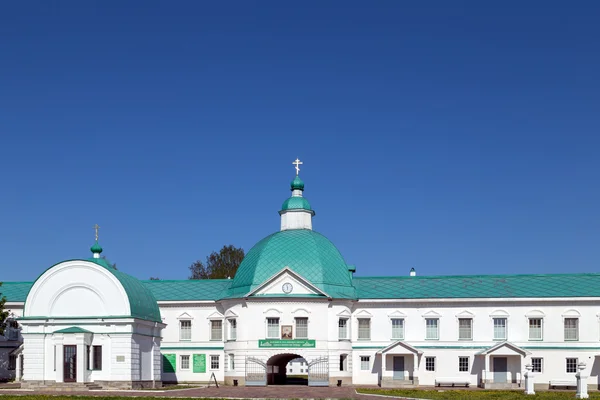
<point x="154" y="278"/>
<point x="3" y="313"/>
<point x="219" y="265"/>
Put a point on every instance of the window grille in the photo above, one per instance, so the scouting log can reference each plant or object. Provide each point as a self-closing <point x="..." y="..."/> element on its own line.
<point x="216" y="330"/>
<point x="364" y="328"/>
<point x="463" y="364"/>
<point x="301" y="328"/>
<point x="571" y="365"/>
<point x="185" y="330"/>
<point x="465" y="329"/>
<point x="185" y="362"/>
<point x="397" y="328"/>
<point x="365" y="363"/>
<point x="429" y="363"/>
<point x="214" y="362"/>
<point x="343" y="328"/>
<point x="536" y="364"/>
<point x="571" y="329"/>
<point x="432" y="328"/>
<point x="535" y="329"/>
<point x="273" y="327"/>
<point x="499" y="328"/>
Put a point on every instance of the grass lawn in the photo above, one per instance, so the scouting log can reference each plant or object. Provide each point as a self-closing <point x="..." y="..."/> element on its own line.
<point x="444" y="394"/>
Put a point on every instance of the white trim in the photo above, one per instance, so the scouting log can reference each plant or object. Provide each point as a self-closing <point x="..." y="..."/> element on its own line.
<point x="499" y="314"/>
<point x="301" y="312"/>
<point x="465" y="315"/>
<point x="185" y="316"/>
<point x="270" y="311"/>
<point x="363" y="314"/>
<point x="572" y="313"/>
<point x="431" y="314"/>
<point x="396" y="315"/>
<point x="535" y="314"/>
<point x="215" y="315"/>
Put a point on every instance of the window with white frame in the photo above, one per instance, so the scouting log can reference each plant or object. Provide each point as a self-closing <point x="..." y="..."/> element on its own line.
<point x="571" y="365"/>
<point x="365" y="363"/>
<point x="432" y="326"/>
<point x="301" y="328"/>
<point x="232" y="362"/>
<point x="233" y="329"/>
<point x="273" y="328"/>
<point x="536" y="364"/>
<point x="397" y="328"/>
<point x="364" y="329"/>
<point x="571" y="329"/>
<point x="500" y="329"/>
<point x="214" y="362"/>
<point x="463" y="364"/>
<point x="465" y="329"/>
<point x="185" y="362"/>
<point x="343" y="328"/>
<point x="535" y="329"/>
<point x="216" y="329"/>
<point x="185" y="329"/>
<point x="429" y="363"/>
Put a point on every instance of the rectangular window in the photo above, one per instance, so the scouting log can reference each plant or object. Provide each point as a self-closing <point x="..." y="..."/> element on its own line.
<point x="231" y="362"/>
<point x="536" y="364"/>
<point x="233" y="329"/>
<point x="571" y="365"/>
<point x="365" y="363"/>
<point x="343" y="362"/>
<point x="571" y="329"/>
<point x="97" y="350"/>
<point x="463" y="364"/>
<point x="273" y="328"/>
<point x="214" y="362"/>
<point x="429" y="363"/>
<point x="364" y="329"/>
<point x="216" y="330"/>
<point x="535" y="329"/>
<point x="301" y="328"/>
<point x="432" y="329"/>
<point x="499" y="328"/>
<point x="185" y="330"/>
<point x="185" y="362"/>
<point x="12" y="363"/>
<point x="397" y="328"/>
<point x="343" y="328"/>
<point x="465" y="329"/>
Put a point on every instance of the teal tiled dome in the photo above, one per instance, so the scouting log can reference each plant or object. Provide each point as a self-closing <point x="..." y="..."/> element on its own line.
<point x="295" y="203"/>
<point x="297" y="183"/>
<point x="306" y="252"/>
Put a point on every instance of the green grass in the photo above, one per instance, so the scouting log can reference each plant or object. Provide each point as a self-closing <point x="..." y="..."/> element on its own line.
<point x="444" y="394"/>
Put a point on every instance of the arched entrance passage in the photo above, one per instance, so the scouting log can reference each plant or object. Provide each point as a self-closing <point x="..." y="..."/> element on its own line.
<point x="277" y="370"/>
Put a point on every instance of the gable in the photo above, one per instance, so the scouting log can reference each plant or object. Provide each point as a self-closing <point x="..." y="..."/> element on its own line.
<point x="287" y="283"/>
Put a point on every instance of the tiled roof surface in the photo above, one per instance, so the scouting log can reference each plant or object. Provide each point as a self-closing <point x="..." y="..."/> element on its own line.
<point x="15" y="291"/>
<point x="192" y="289"/>
<point x="306" y="252"/>
<point x="478" y="286"/>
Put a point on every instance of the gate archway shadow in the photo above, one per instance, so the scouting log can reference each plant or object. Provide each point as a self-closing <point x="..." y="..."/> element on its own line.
<point x="277" y="370"/>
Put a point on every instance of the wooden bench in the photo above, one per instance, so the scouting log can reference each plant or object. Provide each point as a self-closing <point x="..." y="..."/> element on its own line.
<point x="562" y="383"/>
<point x="452" y="381"/>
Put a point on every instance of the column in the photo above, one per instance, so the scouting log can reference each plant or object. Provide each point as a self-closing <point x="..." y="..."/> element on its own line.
<point x="529" y="379"/>
<point x="486" y="372"/>
<point x="18" y="370"/>
<point x="415" y="369"/>
<point x="59" y="362"/>
<point x="581" y="375"/>
<point x="81" y="361"/>
<point x="383" y="369"/>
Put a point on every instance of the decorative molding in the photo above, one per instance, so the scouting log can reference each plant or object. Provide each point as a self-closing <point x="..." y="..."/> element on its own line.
<point x="185" y="316"/>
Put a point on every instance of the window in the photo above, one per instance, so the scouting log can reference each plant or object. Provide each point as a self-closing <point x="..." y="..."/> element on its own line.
<point x="185" y="362"/>
<point x="432" y="325"/>
<point x="273" y="328"/>
<point x="571" y="329"/>
<point x="343" y="362"/>
<point x="97" y="350"/>
<point x="232" y="329"/>
<point x="214" y="362"/>
<point x="301" y="328"/>
<point x="216" y="330"/>
<point x="397" y="328"/>
<point x="185" y="330"/>
<point x="364" y="329"/>
<point x="365" y="363"/>
<point x="465" y="329"/>
<point x="12" y="363"/>
<point x="343" y="328"/>
<point x="499" y="328"/>
<point x="232" y="362"/>
<point x="536" y="364"/>
<point x="571" y="365"/>
<point x="429" y="363"/>
<point x="535" y="329"/>
<point x="291" y="370"/>
<point x="463" y="364"/>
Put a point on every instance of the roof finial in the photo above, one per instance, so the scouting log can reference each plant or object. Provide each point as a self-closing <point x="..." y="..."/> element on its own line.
<point x="297" y="163"/>
<point x="96" y="248"/>
<point x="96" y="227"/>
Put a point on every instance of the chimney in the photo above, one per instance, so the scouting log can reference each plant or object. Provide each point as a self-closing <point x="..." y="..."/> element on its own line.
<point x="413" y="272"/>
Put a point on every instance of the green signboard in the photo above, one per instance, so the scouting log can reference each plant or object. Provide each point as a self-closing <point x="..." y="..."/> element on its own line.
<point x="294" y="343"/>
<point x="199" y="363"/>
<point x="169" y="362"/>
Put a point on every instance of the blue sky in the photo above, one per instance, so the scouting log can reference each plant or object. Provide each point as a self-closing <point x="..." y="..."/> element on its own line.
<point x="453" y="137"/>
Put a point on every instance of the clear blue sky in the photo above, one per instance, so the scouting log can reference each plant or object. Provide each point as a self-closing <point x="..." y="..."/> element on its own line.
<point x="455" y="137"/>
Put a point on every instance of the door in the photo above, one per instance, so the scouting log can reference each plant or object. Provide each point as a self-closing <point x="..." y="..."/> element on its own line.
<point x="70" y="369"/>
<point x="500" y="368"/>
<point x="398" y="367"/>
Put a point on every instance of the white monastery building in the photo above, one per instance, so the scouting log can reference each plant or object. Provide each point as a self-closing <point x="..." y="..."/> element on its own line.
<point x="82" y="322"/>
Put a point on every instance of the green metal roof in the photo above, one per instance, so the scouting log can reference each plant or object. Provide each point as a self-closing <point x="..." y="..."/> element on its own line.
<point x="73" y="329"/>
<point x="15" y="291"/>
<point x="297" y="183"/>
<point x="191" y="289"/>
<point x="295" y="203"/>
<point x="478" y="286"/>
<point x="306" y="252"/>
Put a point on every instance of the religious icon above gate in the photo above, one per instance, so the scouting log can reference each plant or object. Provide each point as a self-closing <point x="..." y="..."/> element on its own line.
<point x="286" y="331"/>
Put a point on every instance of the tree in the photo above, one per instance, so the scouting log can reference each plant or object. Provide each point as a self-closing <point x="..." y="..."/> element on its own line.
<point x="219" y="265"/>
<point x="154" y="278"/>
<point x="3" y="313"/>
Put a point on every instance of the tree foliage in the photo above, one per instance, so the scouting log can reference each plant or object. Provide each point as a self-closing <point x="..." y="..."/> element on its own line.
<point x="3" y="312"/>
<point x="154" y="278"/>
<point x="221" y="265"/>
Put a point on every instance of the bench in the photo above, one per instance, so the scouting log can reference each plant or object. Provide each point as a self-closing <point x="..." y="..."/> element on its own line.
<point x="452" y="381"/>
<point x="562" y="383"/>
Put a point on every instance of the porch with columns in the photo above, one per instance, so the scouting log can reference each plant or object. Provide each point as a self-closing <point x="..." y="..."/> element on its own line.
<point x="399" y="365"/>
<point x="503" y="366"/>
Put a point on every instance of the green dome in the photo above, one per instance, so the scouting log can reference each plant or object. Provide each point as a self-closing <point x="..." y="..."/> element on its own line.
<point x="297" y="183"/>
<point x="294" y="203"/>
<point x="306" y="252"/>
<point x="96" y="248"/>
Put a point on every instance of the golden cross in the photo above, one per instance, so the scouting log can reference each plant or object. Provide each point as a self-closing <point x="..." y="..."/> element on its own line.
<point x="96" y="227"/>
<point x="297" y="163"/>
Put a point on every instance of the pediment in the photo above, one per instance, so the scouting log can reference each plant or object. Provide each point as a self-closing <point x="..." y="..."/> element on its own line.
<point x="505" y="349"/>
<point x="344" y="313"/>
<point x="230" y="314"/>
<point x="185" y="316"/>
<point x="363" y="314"/>
<point x="499" y="313"/>
<point x="397" y="314"/>
<point x="535" y="314"/>
<point x="465" y="314"/>
<point x="571" y="314"/>
<point x="287" y="283"/>
<point x="215" y="315"/>
<point x="431" y="314"/>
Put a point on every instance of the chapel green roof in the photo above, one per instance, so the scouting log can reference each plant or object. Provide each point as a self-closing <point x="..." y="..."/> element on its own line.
<point x="73" y="329"/>
<point x="15" y="291"/>
<point x="306" y="252"/>
<point x="296" y="203"/>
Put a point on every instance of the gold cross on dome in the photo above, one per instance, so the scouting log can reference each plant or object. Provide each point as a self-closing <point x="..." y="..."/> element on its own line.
<point x="297" y="163"/>
<point x="96" y="227"/>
